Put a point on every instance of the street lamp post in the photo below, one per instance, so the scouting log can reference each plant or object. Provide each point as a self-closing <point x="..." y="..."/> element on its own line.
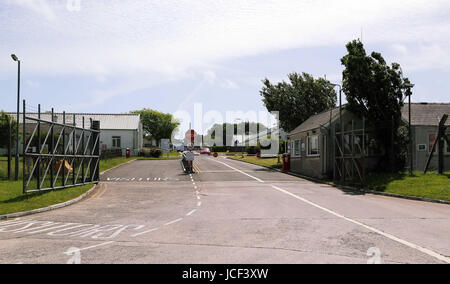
<point x="409" y="129"/>
<point x="14" y="57"/>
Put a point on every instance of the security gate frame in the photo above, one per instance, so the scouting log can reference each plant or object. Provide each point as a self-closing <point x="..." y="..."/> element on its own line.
<point x="349" y="155"/>
<point x="71" y="148"/>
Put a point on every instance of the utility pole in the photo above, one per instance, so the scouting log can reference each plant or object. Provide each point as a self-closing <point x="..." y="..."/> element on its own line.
<point x="14" y="57"/>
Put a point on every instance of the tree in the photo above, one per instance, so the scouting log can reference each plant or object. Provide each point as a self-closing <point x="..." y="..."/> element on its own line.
<point x="298" y="99"/>
<point x="376" y="91"/>
<point x="157" y="125"/>
<point x="4" y="129"/>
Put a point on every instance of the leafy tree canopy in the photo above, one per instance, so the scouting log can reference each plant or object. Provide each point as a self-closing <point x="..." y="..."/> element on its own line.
<point x="4" y="129"/>
<point x="157" y="125"/>
<point x="298" y="99"/>
<point x="376" y="90"/>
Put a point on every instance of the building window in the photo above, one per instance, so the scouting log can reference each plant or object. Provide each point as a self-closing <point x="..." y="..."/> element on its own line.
<point x="295" y="148"/>
<point x="313" y="146"/>
<point x="116" y="142"/>
<point x="297" y="152"/>
<point x="446" y="148"/>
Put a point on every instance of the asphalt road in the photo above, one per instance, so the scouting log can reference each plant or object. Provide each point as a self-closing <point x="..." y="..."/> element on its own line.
<point x="227" y="212"/>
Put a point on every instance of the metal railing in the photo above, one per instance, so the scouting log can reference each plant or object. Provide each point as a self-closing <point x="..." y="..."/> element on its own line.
<point x="58" y="155"/>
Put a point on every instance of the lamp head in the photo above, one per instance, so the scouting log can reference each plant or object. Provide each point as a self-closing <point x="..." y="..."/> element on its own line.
<point x="14" y="57"/>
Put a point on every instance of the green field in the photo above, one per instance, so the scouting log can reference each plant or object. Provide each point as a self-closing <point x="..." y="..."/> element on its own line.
<point x="12" y="200"/>
<point x="430" y="185"/>
<point x="165" y="156"/>
<point x="268" y="162"/>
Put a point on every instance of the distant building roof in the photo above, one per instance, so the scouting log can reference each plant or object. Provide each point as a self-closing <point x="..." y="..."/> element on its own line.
<point x="315" y="121"/>
<point x="107" y="121"/>
<point x="426" y="114"/>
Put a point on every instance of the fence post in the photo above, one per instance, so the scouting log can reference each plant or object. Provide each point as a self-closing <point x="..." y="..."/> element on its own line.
<point x="9" y="122"/>
<point x="74" y="140"/>
<point x="95" y="167"/>
<point x="52" y="151"/>
<point x="64" y="150"/>
<point x="82" y="152"/>
<point x="38" y="160"/>
<point x="24" y="138"/>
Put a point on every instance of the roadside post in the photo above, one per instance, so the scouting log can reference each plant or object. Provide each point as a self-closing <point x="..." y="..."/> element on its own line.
<point x="165" y="146"/>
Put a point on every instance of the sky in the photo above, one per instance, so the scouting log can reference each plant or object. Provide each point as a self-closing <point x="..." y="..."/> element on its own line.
<point x="115" y="56"/>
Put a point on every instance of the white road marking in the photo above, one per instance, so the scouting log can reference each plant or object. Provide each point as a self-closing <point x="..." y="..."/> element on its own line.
<point x="198" y="197"/>
<point x="148" y="179"/>
<point x="173" y="222"/>
<point x="140" y="179"/>
<point x="154" y="179"/>
<point x="133" y="179"/>
<point x="239" y="171"/>
<point x="199" y="203"/>
<point x="145" y="232"/>
<point x="159" y="179"/>
<point x="192" y="212"/>
<point x="392" y="237"/>
<point x="102" y="244"/>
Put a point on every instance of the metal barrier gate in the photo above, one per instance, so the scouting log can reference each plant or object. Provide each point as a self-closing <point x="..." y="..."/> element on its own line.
<point x="349" y="148"/>
<point x="58" y="155"/>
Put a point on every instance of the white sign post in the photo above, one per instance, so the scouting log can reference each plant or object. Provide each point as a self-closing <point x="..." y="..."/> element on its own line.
<point x="165" y="145"/>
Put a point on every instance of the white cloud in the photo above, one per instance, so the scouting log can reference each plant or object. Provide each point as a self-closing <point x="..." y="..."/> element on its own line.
<point x="423" y="57"/>
<point x="174" y="38"/>
<point x="40" y="7"/>
<point x="168" y="37"/>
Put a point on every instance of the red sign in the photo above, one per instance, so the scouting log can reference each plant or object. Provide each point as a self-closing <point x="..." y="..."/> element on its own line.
<point x="216" y="155"/>
<point x="190" y="136"/>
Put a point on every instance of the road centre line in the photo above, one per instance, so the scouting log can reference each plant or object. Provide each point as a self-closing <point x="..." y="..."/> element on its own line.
<point x="255" y="178"/>
<point x="389" y="236"/>
<point x="172" y="222"/>
<point x="192" y="212"/>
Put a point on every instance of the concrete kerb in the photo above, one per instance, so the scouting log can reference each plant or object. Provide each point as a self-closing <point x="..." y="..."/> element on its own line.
<point x="353" y="189"/>
<point x="85" y="195"/>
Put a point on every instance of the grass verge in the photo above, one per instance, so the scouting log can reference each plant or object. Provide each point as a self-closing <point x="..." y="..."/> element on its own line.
<point x="430" y="185"/>
<point x="268" y="162"/>
<point x="12" y="200"/>
<point x="163" y="157"/>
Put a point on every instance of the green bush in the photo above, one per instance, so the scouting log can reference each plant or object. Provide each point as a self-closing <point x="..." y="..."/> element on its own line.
<point x="253" y="150"/>
<point x="219" y="149"/>
<point x="153" y="153"/>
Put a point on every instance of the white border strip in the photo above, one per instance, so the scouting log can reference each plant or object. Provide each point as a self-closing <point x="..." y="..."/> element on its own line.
<point x="239" y="171"/>
<point x="394" y="238"/>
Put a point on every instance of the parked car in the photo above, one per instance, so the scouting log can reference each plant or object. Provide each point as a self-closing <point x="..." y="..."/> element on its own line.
<point x="205" y="151"/>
